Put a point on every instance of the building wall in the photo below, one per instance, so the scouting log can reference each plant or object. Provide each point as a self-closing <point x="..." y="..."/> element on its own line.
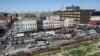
<point x="85" y="16"/>
<point x="70" y="14"/>
<point x="53" y="17"/>
<point x="48" y="24"/>
<point x="39" y="24"/>
<point x="80" y="16"/>
<point x="57" y="24"/>
<point x="61" y="23"/>
<point x="68" y="22"/>
<point x="94" y="20"/>
<point x="25" y="26"/>
<point x="51" y="24"/>
<point x="3" y="24"/>
<point x="5" y="17"/>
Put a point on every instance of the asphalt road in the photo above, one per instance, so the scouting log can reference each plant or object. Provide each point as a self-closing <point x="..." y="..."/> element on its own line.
<point x="52" y="42"/>
<point x="4" y="36"/>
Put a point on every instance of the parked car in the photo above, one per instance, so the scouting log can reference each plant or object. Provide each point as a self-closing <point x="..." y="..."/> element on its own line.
<point x="49" y="33"/>
<point x="31" y="46"/>
<point x="33" y="34"/>
<point x="93" y="32"/>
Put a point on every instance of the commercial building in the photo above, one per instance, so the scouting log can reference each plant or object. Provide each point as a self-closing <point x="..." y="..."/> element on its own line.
<point x="3" y="24"/>
<point x="51" y="24"/>
<point x="25" y="25"/>
<point x="79" y="15"/>
<point x="48" y="24"/>
<point x="53" y="17"/>
<point x="68" y="22"/>
<point x="5" y="16"/>
<point x="95" y="18"/>
<point x="95" y="13"/>
<point x="40" y="25"/>
<point x="5" y="20"/>
<point x="57" y="24"/>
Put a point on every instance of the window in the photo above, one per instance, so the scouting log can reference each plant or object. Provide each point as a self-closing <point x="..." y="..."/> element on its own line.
<point x="47" y="23"/>
<point x="30" y="24"/>
<point x="31" y="27"/>
<point x="78" y="12"/>
<point x="75" y="19"/>
<point x="66" y="15"/>
<point x="76" y="15"/>
<point x="71" y="12"/>
<point x="62" y="12"/>
<point x="78" y="18"/>
<point x="22" y="24"/>
<point x="57" y="22"/>
<point x="78" y="22"/>
<point x="46" y="27"/>
<point x="71" y="15"/>
<point x="35" y="24"/>
<point x="65" y="12"/>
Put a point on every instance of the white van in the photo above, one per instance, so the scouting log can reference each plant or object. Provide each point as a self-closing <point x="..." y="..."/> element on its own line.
<point x="49" y="33"/>
<point x="20" y="35"/>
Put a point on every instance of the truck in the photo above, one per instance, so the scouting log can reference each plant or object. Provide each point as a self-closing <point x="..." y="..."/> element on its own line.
<point x="20" y="35"/>
<point x="49" y="33"/>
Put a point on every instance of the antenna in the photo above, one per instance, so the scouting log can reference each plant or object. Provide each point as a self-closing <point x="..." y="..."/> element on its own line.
<point x="62" y="7"/>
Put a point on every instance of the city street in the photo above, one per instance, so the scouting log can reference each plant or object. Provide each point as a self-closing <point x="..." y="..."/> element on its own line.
<point x="48" y="25"/>
<point x="4" y="38"/>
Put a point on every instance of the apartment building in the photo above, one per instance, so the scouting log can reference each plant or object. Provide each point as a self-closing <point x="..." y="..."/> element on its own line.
<point x="79" y="15"/>
<point x="57" y="24"/>
<point x="61" y="23"/>
<point x="3" y="24"/>
<point x="5" y="16"/>
<point x="48" y="24"/>
<point x="51" y="24"/>
<point x="25" y="25"/>
<point x="5" y="20"/>
<point x="40" y="25"/>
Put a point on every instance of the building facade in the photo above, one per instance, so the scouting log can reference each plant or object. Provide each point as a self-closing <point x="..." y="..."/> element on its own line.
<point x="79" y="15"/>
<point x="94" y="20"/>
<point x="51" y="24"/>
<point x="25" y="26"/>
<point x="68" y="22"/>
<point x="5" y="16"/>
<point x="40" y="24"/>
<point x="5" y="22"/>
<point x="53" y="17"/>
<point x="48" y="24"/>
